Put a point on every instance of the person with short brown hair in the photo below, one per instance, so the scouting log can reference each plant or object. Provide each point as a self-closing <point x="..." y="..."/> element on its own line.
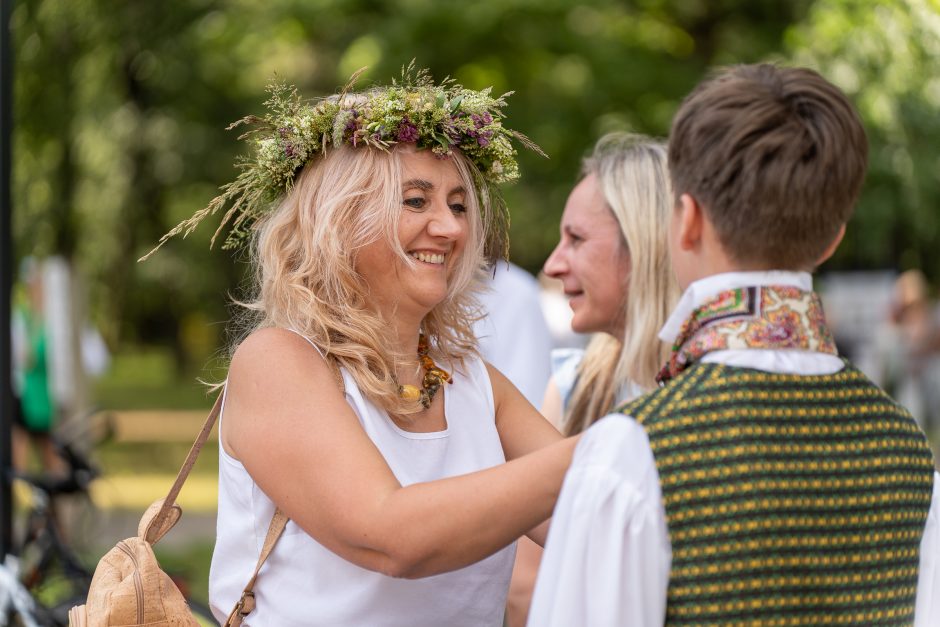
<point x="776" y="157"/>
<point x="767" y="481"/>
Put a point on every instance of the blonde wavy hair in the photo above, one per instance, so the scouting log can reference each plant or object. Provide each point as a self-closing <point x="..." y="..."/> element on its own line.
<point x="632" y="175"/>
<point x="304" y="257"/>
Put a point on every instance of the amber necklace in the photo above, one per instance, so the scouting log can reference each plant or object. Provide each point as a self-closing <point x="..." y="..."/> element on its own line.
<point x="434" y="378"/>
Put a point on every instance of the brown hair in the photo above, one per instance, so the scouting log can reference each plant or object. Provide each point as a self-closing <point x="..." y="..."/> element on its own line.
<point x="775" y="156"/>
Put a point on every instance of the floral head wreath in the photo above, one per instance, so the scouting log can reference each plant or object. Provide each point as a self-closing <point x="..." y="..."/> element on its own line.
<point x="415" y="110"/>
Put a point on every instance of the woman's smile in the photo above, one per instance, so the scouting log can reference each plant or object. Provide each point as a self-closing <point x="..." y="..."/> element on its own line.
<point x="592" y="261"/>
<point x="432" y="231"/>
<point x="429" y="257"/>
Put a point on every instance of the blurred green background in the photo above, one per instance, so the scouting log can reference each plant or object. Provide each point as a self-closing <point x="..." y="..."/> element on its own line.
<point x="120" y="109"/>
<point x="121" y="105"/>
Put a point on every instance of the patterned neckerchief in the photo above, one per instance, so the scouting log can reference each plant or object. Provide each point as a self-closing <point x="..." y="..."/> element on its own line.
<point x="772" y="317"/>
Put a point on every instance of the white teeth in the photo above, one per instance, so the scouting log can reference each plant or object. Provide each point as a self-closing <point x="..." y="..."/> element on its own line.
<point x="429" y="257"/>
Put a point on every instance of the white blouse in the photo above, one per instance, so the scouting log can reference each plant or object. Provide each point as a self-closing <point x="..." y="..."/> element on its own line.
<point x="304" y="584"/>
<point x="608" y="555"/>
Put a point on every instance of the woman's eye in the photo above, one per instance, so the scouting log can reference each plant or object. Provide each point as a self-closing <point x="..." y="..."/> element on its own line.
<point x="415" y="203"/>
<point x="458" y="207"/>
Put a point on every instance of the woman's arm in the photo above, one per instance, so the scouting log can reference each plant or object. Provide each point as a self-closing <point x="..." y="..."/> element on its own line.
<point x="551" y="404"/>
<point x="522" y="584"/>
<point x="289" y="424"/>
<point x="529" y="552"/>
<point x="522" y="429"/>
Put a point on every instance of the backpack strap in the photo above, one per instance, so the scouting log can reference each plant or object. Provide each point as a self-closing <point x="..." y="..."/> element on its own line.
<point x="169" y="511"/>
<point x="246" y="604"/>
<point x="163" y="514"/>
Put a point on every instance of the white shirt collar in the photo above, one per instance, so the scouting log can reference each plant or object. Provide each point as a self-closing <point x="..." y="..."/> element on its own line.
<point x="703" y="289"/>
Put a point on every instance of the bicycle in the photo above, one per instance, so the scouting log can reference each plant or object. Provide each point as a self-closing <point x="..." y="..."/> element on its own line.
<point x="45" y="567"/>
<point x="15" y="600"/>
<point x="45" y="578"/>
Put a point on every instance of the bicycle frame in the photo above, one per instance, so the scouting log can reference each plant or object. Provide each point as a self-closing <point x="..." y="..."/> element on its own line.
<point x="15" y="599"/>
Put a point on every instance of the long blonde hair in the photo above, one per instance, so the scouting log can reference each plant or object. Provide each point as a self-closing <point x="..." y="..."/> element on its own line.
<point x="632" y="175"/>
<point x="304" y="257"/>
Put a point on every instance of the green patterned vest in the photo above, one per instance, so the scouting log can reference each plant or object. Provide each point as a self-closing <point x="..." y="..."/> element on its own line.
<point x="790" y="500"/>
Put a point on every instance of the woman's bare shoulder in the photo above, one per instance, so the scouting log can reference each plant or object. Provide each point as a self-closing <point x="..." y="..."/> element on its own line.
<point x="269" y="345"/>
<point x="276" y="356"/>
<point x="274" y="379"/>
<point x="272" y="337"/>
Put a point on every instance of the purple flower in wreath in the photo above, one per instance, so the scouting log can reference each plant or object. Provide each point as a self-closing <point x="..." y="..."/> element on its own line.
<point x="352" y="124"/>
<point x="451" y="131"/>
<point x="407" y="132"/>
<point x="284" y="132"/>
<point x="480" y="121"/>
<point x="353" y="129"/>
<point x="289" y="150"/>
<point x="484" y="137"/>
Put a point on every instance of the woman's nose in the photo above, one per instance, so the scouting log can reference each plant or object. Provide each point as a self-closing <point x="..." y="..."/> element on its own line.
<point x="556" y="265"/>
<point x="445" y="223"/>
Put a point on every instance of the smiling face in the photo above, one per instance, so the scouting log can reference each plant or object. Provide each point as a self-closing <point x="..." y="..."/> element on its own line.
<point x="592" y="262"/>
<point x="433" y="229"/>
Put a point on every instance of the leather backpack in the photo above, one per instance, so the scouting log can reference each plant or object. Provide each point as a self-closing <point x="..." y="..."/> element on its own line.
<point x="129" y="588"/>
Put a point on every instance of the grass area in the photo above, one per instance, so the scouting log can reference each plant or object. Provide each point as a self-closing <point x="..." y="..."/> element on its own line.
<point x="135" y="458"/>
<point x="134" y="493"/>
<point x="147" y="378"/>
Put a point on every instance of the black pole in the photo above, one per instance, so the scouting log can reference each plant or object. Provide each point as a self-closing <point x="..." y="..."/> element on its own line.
<point x="6" y="280"/>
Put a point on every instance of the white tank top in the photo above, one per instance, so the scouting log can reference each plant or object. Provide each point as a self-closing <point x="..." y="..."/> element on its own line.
<point x="305" y="584"/>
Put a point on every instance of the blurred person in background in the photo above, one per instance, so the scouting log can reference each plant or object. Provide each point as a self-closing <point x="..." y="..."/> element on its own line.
<point x="34" y="407"/>
<point x="55" y="352"/>
<point x="513" y="335"/>
<point x="909" y="348"/>
<point x="612" y="261"/>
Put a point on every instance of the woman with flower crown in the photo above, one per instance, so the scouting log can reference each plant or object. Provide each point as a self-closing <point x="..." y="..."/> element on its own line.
<point x="356" y="402"/>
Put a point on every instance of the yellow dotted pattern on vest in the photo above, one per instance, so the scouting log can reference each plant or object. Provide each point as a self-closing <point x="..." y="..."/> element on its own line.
<point x="790" y="500"/>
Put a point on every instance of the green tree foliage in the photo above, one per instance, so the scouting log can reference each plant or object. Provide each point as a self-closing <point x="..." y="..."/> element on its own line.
<point x="113" y="124"/>
<point x="121" y="108"/>
<point x="886" y="56"/>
